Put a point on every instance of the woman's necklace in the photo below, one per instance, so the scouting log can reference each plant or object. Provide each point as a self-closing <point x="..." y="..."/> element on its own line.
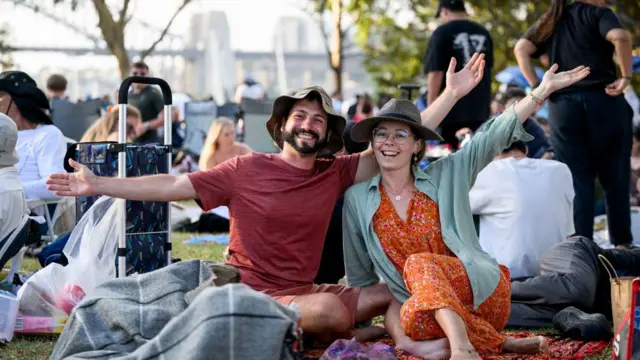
<point x="398" y="196"/>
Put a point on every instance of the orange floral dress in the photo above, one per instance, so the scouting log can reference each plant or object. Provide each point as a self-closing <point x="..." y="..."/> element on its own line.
<point x="436" y="278"/>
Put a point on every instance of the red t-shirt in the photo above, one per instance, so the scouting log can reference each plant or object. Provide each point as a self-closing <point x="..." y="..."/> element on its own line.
<point x="279" y="214"/>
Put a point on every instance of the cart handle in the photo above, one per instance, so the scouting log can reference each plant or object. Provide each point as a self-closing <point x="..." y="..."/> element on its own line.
<point x="123" y="92"/>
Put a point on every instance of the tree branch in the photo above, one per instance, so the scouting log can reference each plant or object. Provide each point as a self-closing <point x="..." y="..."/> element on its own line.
<point x="164" y="32"/>
<point x="322" y="6"/>
<point x="323" y="29"/>
<point x="38" y="9"/>
<point x="123" y="20"/>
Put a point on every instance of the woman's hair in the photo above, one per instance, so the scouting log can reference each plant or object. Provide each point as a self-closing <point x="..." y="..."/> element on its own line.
<point x="108" y="124"/>
<point x="544" y="27"/>
<point x="422" y="151"/>
<point x="211" y="143"/>
<point x="516" y="145"/>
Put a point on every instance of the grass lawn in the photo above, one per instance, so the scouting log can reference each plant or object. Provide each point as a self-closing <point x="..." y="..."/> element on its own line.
<point x="40" y="347"/>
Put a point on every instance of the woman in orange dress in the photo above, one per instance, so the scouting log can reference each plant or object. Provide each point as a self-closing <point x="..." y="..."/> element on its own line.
<point x="414" y="229"/>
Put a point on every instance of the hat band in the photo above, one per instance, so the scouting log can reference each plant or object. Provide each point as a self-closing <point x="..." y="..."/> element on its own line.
<point x="399" y="116"/>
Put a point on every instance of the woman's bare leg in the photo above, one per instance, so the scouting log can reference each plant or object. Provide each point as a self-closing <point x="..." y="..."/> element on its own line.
<point x="532" y="345"/>
<point x="456" y="331"/>
<point x="430" y="349"/>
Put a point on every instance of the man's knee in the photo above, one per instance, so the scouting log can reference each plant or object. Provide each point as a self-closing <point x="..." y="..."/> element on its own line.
<point x="325" y="311"/>
<point x="373" y="300"/>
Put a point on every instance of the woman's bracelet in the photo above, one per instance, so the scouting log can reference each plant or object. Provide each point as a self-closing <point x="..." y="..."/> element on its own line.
<point x="536" y="99"/>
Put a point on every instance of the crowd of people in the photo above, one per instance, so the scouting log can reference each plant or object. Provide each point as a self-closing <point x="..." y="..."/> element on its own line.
<point x="449" y="254"/>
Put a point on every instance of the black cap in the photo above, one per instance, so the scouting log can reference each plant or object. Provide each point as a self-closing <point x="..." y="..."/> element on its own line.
<point x="455" y="5"/>
<point x="28" y="98"/>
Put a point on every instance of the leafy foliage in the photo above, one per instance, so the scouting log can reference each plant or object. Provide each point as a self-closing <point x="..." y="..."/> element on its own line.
<point x="394" y="34"/>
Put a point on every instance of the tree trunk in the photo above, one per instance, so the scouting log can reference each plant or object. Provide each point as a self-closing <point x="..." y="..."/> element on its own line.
<point x="336" y="45"/>
<point x="113" y="35"/>
<point x="124" y="63"/>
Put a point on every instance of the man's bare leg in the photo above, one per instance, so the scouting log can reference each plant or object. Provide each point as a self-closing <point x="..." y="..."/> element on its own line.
<point x="324" y="316"/>
<point x="373" y="301"/>
<point x="430" y="349"/>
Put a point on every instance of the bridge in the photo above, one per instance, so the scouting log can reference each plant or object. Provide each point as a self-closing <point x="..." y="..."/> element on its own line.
<point x="200" y="61"/>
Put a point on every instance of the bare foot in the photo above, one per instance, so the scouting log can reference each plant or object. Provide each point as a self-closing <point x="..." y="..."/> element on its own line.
<point x="532" y="345"/>
<point x="369" y="333"/>
<point x="464" y="354"/>
<point x="429" y="349"/>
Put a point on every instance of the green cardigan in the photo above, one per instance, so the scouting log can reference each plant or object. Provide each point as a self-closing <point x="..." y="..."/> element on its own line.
<point x="447" y="182"/>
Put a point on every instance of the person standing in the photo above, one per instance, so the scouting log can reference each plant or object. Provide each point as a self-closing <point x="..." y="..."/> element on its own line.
<point x="149" y="101"/>
<point x="460" y="38"/>
<point x="590" y="122"/>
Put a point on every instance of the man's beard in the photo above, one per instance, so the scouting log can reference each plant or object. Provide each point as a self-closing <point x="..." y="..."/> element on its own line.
<point x="290" y="138"/>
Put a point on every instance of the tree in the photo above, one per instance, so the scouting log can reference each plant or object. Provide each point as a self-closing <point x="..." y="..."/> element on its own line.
<point x="5" y="49"/>
<point x="394" y="50"/>
<point x="335" y="36"/>
<point x="112" y="25"/>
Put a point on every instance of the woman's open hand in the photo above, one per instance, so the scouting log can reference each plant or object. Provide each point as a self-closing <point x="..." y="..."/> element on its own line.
<point x="462" y="82"/>
<point x="552" y="81"/>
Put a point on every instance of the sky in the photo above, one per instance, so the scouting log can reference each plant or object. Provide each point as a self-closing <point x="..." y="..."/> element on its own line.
<point x="260" y="15"/>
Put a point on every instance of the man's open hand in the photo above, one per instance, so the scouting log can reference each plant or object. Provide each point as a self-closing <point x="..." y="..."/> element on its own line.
<point x="80" y="183"/>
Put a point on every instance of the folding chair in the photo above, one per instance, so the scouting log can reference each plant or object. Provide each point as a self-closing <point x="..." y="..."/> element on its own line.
<point x="12" y="247"/>
<point x="255" y="112"/>
<point x="198" y="117"/>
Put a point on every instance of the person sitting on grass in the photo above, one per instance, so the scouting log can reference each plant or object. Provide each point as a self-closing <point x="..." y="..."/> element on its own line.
<point x="281" y="205"/>
<point x="13" y="205"/>
<point x="415" y="229"/>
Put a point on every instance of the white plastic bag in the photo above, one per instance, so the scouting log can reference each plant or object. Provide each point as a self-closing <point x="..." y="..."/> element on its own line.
<point x="91" y="253"/>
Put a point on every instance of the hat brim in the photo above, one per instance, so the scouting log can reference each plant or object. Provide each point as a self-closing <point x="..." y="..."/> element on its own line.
<point x="281" y="108"/>
<point x="362" y="131"/>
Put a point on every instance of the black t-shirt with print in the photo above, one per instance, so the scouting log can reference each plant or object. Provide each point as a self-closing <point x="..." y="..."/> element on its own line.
<point x="579" y="38"/>
<point x="149" y="102"/>
<point x="460" y="39"/>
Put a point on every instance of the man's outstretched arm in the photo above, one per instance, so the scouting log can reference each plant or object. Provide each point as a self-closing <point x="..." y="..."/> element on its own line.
<point x="83" y="182"/>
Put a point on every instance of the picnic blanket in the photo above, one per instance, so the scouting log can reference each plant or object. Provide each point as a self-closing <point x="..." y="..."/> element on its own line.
<point x="560" y="348"/>
<point x="177" y="313"/>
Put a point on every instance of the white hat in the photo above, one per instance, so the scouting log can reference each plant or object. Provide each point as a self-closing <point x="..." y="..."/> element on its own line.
<point x="8" y="140"/>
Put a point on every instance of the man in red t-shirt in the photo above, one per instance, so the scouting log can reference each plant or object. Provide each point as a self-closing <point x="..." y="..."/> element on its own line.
<point x="281" y="204"/>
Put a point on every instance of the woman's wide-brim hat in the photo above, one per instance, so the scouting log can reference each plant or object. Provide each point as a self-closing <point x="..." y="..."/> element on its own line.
<point x="403" y="111"/>
<point x="283" y="105"/>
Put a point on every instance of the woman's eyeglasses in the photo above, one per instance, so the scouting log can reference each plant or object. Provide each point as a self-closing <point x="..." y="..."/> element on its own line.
<point x="399" y="136"/>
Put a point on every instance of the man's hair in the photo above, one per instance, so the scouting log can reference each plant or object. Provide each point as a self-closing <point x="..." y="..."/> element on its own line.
<point x="140" y="65"/>
<point x="57" y="82"/>
<point x="313" y="97"/>
<point x="518" y="145"/>
<point x="636" y="133"/>
<point x="513" y="93"/>
<point x="542" y="120"/>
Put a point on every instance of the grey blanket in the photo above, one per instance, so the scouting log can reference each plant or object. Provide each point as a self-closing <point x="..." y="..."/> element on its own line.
<point x="148" y="317"/>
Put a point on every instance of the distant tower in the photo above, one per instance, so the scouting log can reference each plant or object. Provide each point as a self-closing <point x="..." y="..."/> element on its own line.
<point x="212" y="74"/>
